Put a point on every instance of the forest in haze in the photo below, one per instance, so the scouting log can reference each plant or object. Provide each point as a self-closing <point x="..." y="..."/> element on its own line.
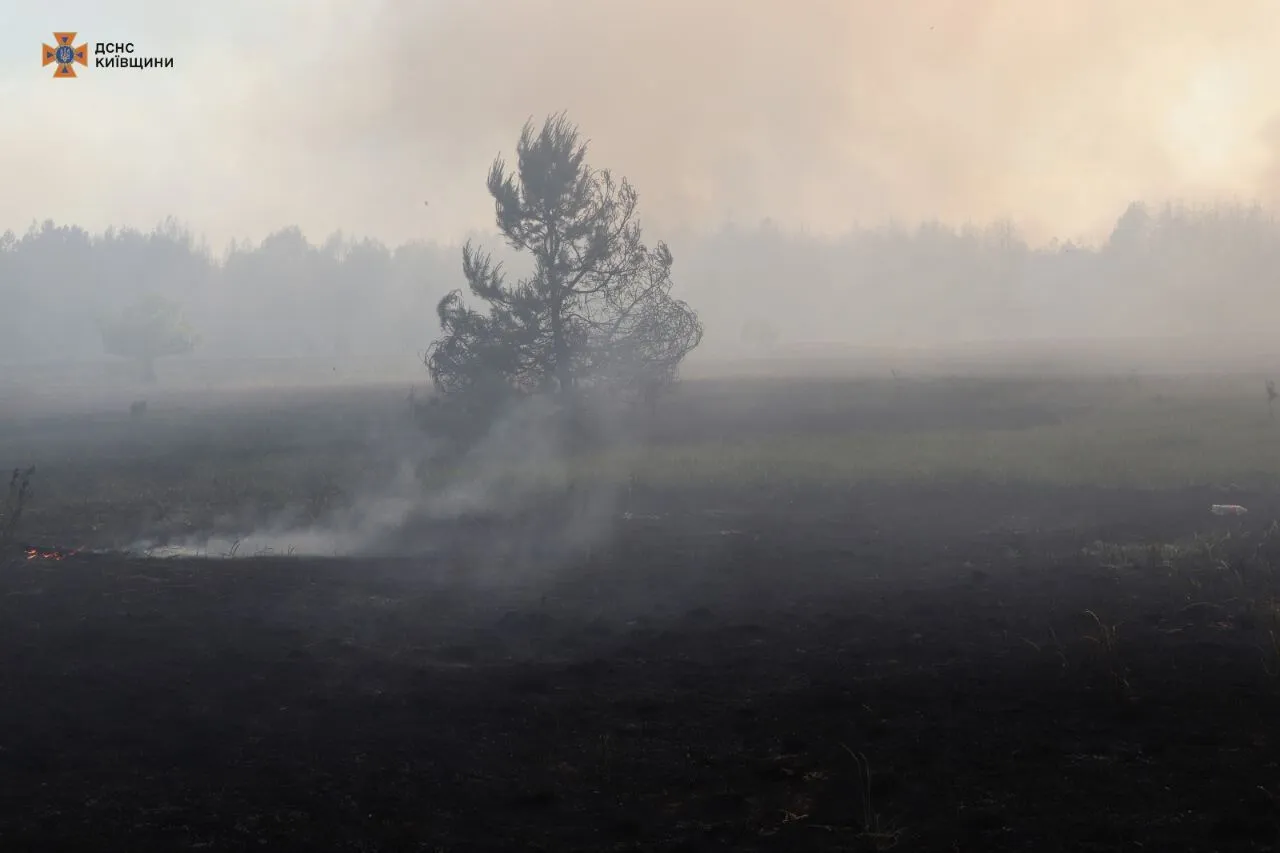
<point x="1164" y="271"/>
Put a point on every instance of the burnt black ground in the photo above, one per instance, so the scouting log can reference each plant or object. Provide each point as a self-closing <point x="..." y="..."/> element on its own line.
<point x="719" y="673"/>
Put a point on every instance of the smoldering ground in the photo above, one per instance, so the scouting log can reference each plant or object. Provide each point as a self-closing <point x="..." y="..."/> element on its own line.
<point x="981" y="591"/>
<point x="886" y="572"/>
<point x="517" y="492"/>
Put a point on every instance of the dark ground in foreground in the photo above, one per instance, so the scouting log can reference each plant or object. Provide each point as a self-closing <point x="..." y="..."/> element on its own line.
<point x="1015" y="667"/>
<point x="705" y="680"/>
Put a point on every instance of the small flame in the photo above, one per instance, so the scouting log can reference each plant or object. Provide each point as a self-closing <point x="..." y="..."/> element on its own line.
<point x="36" y="554"/>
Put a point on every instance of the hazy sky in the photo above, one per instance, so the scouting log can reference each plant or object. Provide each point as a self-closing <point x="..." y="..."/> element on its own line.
<point x="824" y="113"/>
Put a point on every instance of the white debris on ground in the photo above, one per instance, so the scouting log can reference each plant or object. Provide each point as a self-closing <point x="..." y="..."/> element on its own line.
<point x="1227" y="509"/>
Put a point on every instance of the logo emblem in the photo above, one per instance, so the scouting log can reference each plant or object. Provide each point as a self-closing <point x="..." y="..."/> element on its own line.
<point x="65" y="55"/>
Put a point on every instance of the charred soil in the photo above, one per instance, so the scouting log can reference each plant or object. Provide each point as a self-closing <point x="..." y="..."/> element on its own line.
<point x="769" y="648"/>
<point x="729" y="670"/>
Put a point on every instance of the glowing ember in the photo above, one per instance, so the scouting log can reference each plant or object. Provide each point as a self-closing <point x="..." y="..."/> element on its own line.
<point x="36" y="554"/>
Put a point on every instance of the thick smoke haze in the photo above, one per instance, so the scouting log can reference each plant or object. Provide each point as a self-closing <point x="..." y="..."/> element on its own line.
<point x="824" y="114"/>
<point x="826" y="172"/>
<point x="1047" y="180"/>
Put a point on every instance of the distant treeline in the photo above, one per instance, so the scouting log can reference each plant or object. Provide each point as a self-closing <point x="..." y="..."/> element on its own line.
<point x="1171" y="270"/>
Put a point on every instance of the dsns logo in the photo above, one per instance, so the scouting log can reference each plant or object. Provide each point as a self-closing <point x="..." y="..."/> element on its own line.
<point x="65" y="55"/>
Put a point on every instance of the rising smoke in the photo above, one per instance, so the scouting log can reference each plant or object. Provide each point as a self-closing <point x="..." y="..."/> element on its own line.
<point x="825" y="113"/>
<point x="521" y="472"/>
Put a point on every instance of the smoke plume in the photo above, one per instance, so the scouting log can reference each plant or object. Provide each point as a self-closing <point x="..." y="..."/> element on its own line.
<point x="823" y="114"/>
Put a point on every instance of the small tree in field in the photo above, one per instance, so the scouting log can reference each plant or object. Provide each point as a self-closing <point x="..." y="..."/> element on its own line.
<point x="595" y="313"/>
<point x="150" y="328"/>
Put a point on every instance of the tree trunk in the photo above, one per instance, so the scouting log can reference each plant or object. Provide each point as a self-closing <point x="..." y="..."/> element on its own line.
<point x="570" y="427"/>
<point x="560" y="351"/>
